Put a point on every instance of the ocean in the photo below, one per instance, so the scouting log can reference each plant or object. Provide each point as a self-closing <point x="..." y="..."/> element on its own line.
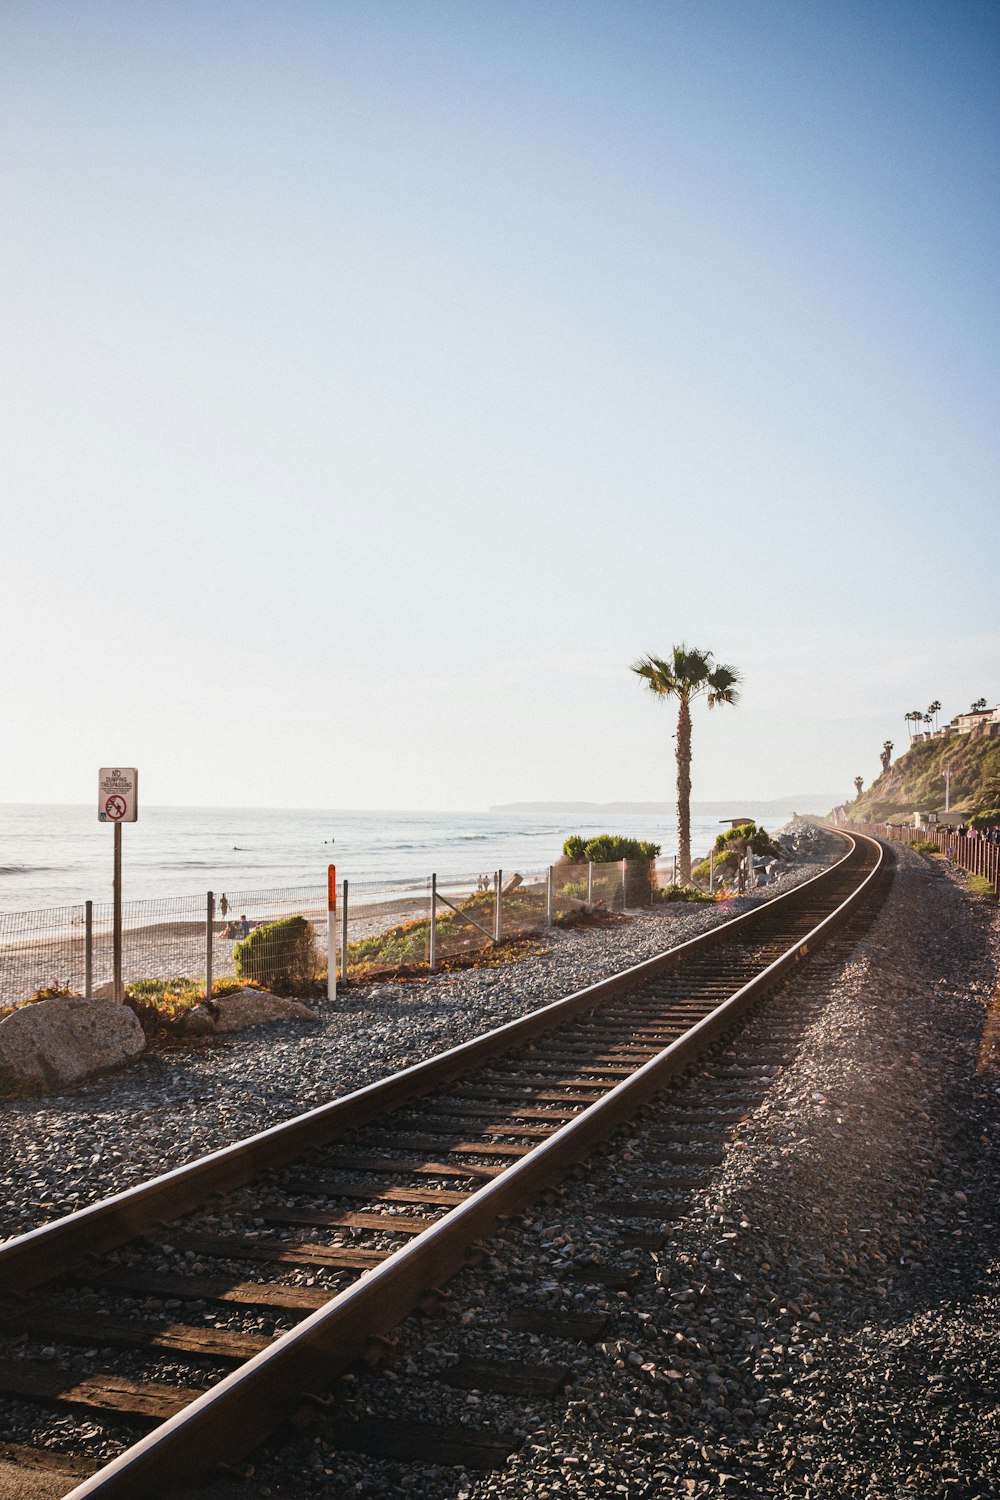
<point x="61" y="855"/>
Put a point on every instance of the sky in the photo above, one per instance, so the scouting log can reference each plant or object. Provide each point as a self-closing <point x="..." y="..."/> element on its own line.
<point x="378" y="381"/>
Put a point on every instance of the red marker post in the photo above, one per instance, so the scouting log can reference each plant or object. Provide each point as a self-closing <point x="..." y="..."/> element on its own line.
<point x="331" y="932"/>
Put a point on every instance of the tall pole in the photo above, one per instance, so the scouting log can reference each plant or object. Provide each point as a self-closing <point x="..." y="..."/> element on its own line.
<point x="432" y="958"/>
<point x="116" y="896"/>
<point x="498" y="928"/>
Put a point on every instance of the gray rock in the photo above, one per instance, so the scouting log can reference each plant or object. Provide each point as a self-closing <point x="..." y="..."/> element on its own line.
<point x="198" y="1022"/>
<point x="254" y="1007"/>
<point x="57" y="1043"/>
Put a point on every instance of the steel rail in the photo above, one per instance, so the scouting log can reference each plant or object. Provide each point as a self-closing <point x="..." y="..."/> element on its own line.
<point x="39" y="1255"/>
<point x="229" y="1420"/>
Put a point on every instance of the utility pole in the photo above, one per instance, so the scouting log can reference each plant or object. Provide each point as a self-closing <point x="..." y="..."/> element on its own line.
<point x="947" y="788"/>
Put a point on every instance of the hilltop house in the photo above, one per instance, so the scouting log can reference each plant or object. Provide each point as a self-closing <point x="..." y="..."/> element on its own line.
<point x="985" y="721"/>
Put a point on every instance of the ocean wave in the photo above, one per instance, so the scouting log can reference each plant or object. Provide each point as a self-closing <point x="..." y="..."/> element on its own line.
<point x="27" y="869"/>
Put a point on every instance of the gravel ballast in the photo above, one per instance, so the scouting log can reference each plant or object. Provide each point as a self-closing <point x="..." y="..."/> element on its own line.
<point x="822" y="1319"/>
<point x="171" y="1106"/>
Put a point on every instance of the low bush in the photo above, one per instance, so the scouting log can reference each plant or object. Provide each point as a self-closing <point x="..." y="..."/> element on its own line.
<point x="988" y="819"/>
<point x="725" y="863"/>
<point x="980" y="886"/>
<point x="923" y="846"/>
<point x="685" y="893"/>
<point x="52" y="991"/>
<point x="279" y="956"/>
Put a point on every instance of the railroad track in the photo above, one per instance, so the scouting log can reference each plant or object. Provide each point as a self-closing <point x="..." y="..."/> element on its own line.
<point x="183" y="1320"/>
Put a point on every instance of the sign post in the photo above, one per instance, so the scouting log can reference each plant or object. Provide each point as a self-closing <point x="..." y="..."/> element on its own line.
<point x="117" y="803"/>
<point x="331" y="933"/>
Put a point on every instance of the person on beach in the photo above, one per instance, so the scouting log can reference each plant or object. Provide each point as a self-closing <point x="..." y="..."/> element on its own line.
<point x="223" y="907"/>
<point x="244" y="926"/>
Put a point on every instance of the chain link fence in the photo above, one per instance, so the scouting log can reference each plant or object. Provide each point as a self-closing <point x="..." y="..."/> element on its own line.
<point x="280" y="936"/>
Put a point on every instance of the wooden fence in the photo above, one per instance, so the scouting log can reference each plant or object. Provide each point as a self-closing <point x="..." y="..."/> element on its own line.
<point x="978" y="855"/>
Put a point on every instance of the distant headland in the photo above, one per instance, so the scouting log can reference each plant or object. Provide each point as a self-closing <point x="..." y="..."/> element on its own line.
<point x="806" y="802"/>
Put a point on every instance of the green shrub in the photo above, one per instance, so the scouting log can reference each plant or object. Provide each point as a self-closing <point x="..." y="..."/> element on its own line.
<point x="608" y="848"/>
<point x="925" y="847"/>
<point x="726" y="862"/>
<point x="575" y="849"/>
<point x="759" y="840"/>
<point x="279" y="956"/>
<point x="988" y="819"/>
<point x="684" y="893"/>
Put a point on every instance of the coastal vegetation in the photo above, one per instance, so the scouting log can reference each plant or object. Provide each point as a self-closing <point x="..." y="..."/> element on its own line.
<point x="729" y="850"/>
<point x="917" y="781"/>
<point x="279" y="956"/>
<point x="687" y="675"/>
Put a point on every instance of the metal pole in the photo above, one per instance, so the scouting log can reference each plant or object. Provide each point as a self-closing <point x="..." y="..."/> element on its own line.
<point x="209" y="935"/>
<point x="675" y="869"/>
<point x="590" y="882"/>
<point x="116" y="936"/>
<point x="88" y="950"/>
<point x="498" y="930"/>
<point x="624" y="883"/>
<point x="331" y="932"/>
<point x="434" y="924"/>
<point x="343" y="933"/>
<point x="548" y="898"/>
<point x="711" y="869"/>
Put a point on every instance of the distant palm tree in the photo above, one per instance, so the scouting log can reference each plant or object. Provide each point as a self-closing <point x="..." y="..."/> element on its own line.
<point x="687" y="675"/>
<point x="886" y="755"/>
<point x="934" y="708"/>
<point x="858" y="784"/>
<point x="978" y="706"/>
<point x="912" y="718"/>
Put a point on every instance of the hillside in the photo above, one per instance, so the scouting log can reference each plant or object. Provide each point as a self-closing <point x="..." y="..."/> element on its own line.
<point x="916" y="779"/>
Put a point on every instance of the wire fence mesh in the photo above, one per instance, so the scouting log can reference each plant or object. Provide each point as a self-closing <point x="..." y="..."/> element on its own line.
<point x="279" y="937"/>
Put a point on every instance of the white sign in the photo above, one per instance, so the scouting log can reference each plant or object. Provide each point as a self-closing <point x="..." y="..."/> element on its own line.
<point x="118" y="794"/>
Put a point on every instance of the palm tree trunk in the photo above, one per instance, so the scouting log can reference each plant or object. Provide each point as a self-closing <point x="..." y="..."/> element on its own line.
<point x="684" y="791"/>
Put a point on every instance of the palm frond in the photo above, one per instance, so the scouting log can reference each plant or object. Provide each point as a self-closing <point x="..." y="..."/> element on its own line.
<point x="723" y="683"/>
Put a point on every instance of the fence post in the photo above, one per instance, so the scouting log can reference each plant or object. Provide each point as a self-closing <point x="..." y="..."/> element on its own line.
<point x="88" y="950"/>
<point x="343" y="933"/>
<point x="548" y="898"/>
<point x="209" y="935"/>
<point x="331" y="932"/>
<point x="711" y="869"/>
<point x="624" y="882"/>
<point x="675" y="870"/>
<point x="498" y="926"/>
<point x="590" y="882"/>
<point x="432" y="957"/>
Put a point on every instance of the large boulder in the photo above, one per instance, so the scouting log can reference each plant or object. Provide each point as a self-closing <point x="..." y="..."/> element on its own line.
<point x="243" y="1008"/>
<point x="56" y="1043"/>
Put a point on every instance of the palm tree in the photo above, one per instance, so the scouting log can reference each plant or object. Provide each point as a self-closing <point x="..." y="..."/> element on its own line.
<point x="886" y="756"/>
<point x="978" y="706"/>
<point x="934" y="708"/>
<point x="859" y="784"/>
<point x="687" y="675"/>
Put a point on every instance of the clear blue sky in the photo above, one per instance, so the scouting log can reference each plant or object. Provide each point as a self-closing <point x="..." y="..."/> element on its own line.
<point x="377" y="381"/>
